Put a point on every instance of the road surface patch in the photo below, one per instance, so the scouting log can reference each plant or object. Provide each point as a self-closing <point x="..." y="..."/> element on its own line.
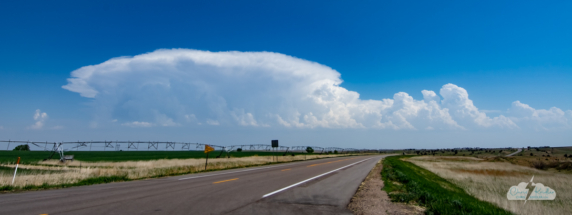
<point x="201" y="176"/>
<point x="225" y="181"/>
<point x="304" y="181"/>
<point x="318" y="164"/>
<point x="285" y="170"/>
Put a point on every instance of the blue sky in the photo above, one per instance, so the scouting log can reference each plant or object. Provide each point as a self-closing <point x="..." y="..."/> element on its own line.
<point x="498" y="52"/>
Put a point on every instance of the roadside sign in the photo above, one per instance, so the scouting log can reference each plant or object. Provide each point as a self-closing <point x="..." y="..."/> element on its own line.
<point x="208" y="149"/>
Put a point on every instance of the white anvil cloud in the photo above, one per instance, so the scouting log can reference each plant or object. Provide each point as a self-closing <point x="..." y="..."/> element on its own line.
<point x="167" y="86"/>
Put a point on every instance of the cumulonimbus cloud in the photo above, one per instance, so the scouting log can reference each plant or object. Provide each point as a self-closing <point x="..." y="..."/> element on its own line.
<point x="553" y="118"/>
<point x="176" y="87"/>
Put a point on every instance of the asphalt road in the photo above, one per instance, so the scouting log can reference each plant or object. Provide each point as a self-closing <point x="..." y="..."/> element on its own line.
<point x="514" y="153"/>
<point x="323" y="186"/>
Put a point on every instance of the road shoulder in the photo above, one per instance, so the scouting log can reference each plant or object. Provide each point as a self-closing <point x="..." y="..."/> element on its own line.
<point x="371" y="199"/>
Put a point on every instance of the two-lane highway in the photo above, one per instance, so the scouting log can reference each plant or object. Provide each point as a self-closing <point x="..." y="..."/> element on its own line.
<point x="323" y="186"/>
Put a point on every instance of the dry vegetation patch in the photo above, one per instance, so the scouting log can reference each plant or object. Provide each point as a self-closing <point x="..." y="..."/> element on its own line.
<point x="490" y="180"/>
<point x="489" y="172"/>
<point x="452" y="158"/>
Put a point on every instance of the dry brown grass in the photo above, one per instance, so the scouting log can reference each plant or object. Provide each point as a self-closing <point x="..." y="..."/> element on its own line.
<point x="70" y="172"/>
<point x="490" y="181"/>
<point x="490" y="172"/>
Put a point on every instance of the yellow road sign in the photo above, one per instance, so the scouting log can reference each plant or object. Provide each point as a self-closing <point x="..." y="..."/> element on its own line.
<point x="208" y="149"/>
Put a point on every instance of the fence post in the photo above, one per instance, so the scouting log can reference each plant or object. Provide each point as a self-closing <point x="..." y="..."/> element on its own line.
<point x="16" y="170"/>
<point x="8" y="148"/>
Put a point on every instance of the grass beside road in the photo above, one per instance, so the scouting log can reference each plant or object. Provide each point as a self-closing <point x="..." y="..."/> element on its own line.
<point x="406" y="182"/>
<point x="28" y="157"/>
<point x="10" y="170"/>
<point x="88" y="181"/>
<point x="490" y="181"/>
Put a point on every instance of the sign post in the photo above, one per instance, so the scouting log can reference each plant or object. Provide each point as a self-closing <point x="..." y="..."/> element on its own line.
<point x="207" y="150"/>
<point x="275" y="145"/>
<point x="16" y="170"/>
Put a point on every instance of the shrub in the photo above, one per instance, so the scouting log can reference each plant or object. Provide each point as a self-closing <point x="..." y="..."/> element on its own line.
<point x="22" y="148"/>
<point x="565" y="166"/>
<point x="309" y="150"/>
<point x="239" y="150"/>
<point x="539" y="165"/>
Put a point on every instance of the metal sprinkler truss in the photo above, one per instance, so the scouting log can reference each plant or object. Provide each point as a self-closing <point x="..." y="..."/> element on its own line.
<point x="63" y="147"/>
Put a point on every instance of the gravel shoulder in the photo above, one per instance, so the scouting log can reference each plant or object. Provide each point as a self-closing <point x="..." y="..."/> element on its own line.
<point x="371" y="199"/>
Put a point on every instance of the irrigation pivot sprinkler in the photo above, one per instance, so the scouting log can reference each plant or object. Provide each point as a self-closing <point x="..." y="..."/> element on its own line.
<point x="221" y="151"/>
<point x="16" y="170"/>
<point x="228" y="150"/>
<point x="58" y="148"/>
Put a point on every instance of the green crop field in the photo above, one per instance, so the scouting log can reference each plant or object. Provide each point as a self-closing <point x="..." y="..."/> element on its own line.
<point x="94" y="156"/>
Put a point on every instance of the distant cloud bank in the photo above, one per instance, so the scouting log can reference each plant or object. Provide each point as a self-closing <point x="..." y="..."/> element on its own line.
<point x="178" y="87"/>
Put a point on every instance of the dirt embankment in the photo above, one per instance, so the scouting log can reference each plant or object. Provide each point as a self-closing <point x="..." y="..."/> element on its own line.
<point x="371" y="199"/>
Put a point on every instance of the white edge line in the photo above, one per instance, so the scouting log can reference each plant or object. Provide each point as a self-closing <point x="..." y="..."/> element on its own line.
<point x="301" y="182"/>
<point x="235" y="171"/>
